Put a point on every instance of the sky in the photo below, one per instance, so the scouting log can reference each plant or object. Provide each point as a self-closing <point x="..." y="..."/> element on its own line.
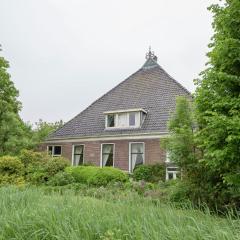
<point x="64" y="54"/>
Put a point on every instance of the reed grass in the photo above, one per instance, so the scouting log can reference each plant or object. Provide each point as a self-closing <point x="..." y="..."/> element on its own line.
<point x="33" y="214"/>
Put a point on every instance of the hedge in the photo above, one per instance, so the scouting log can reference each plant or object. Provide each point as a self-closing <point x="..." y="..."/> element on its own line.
<point x="97" y="176"/>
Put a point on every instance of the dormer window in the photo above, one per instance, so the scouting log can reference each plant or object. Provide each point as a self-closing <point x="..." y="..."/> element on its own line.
<point x="110" y="120"/>
<point x="131" y="118"/>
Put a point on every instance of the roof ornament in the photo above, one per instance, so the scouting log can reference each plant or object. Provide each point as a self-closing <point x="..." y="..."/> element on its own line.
<point x="151" y="54"/>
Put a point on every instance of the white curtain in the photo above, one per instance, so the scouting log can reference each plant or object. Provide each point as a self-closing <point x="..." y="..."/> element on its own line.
<point x="107" y="149"/>
<point x="136" y="154"/>
<point x="122" y="120"/>
<point x="76" y="160"/>
<point x="78" y="151"/>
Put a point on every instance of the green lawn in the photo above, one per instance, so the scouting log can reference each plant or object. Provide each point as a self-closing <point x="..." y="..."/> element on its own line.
<point x="34" y="214"/>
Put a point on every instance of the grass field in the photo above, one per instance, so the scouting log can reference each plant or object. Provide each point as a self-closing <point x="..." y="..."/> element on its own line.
<point x="33" y="214"/>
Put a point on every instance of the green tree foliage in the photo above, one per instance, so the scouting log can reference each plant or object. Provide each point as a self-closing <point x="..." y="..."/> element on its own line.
<point x="180" y="144"/>
<point x="42" y="129"/>
<point x="218" y="107"/>
<point x="13" y="132"/>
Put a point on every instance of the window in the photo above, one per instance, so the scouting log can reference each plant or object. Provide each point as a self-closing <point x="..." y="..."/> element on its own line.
<point x="78" y="155"/>
<point x="136" y="155"/>
<point x="107" y="155"/>
<point x="132" y="120"/>
<point x="55" y="151"/>
<point x="124" y="119"/>
<point x="110" y="120"/>
<point x="171" y="173"/>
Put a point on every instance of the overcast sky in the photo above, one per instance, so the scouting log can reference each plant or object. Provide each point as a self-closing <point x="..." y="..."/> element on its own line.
<point x="66" y="53"/>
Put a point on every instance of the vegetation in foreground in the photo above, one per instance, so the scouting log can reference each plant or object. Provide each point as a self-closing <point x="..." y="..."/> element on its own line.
<point x="35" y="213"/>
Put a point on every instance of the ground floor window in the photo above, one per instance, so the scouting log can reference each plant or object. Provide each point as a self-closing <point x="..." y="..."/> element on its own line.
<point x="136" y="155"/>
<point x="171" y="173"/>
<point x="55" y="151"/>
<point x="78" y="151"/>
<point x="107" y="155"/>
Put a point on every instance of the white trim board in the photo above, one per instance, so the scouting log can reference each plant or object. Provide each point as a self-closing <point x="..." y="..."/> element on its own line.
<point x="108" y="138"/>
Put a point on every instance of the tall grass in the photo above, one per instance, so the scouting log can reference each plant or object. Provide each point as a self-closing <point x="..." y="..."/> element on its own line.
<point x="32" y="214"/>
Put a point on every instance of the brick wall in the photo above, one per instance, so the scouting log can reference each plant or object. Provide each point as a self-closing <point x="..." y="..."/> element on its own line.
<point x="92" y="151"/>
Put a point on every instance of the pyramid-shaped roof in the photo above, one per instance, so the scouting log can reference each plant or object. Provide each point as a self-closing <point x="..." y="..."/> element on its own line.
<point x="150" y="88"/>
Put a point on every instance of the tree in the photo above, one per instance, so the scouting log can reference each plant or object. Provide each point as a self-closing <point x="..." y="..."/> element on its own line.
<point x="180" y="143"/>
<point x="12" y="129"/>
<point x="42" y="129"/>
<point x="218" y="106"/>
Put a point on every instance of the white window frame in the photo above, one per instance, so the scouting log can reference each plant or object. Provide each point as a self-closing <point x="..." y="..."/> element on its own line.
<point x="130" y="155"/>
<point x="75" y="145"/>
<point x="101" y="163"/>
<point x="53" y="146"/>
<point x="138" y="120"/>
<point x="175" y="172"/>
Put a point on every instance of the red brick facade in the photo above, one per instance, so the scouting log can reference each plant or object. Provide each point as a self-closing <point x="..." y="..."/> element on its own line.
<point x="92" y="151"/>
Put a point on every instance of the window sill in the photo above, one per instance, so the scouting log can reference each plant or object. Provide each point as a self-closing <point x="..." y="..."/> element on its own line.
<point x="121" y="128"/>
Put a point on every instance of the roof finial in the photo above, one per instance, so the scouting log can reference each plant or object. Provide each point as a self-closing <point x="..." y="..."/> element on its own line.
<point x="151" y="55"/>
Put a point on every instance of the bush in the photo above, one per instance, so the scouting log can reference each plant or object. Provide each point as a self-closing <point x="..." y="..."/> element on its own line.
<point x="6" y="179"/>
<point x="107" y="175"/>
<point x="41" y="172"/>
<point x="29" y="157"/>
<point x="149" y="173"/>
<point x="11" y="171"/>
<point x="40" y="167"/>
<point x="61" y="179"/>
<point x="97" y="176"/>
<point x="55" y="165"/>
<point x="11" y="165"/>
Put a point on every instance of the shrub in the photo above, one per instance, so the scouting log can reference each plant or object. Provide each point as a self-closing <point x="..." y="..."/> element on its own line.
<point x="6" y="179"/>
<point x="55" y="165"/>
<point x="11" y="170"/>
<point x="29" y="157"/>
<point x="40" y="167"/>
<point x="149" y="173"/>
<point x="107" y="175"/>
<point x="97" y="176"/>
<point x="10" y="165"/>
<point x="61" y="179"/>
<point x="41" y="172"/>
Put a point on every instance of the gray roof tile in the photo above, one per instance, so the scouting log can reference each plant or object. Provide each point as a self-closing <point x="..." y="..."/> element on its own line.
<point x="150" y="88"/>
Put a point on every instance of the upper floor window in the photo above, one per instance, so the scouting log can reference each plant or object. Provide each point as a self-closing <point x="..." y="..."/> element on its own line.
<point x="110" y="120"/>
<point x="125" y="118"/>
<point x="55" y="151"/>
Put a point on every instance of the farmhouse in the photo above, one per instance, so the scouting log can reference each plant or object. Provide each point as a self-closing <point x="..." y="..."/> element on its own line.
<point x="125" y="126"/>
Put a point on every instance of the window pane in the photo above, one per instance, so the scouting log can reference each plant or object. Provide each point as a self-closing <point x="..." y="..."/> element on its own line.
<point x="122" y="120"/>
<point x="50" y="150"/>
<point x="78" y="160"/>
<point x="57" y="150"/>
<point x="172" y="169"/>
<point x="110" y="120"/>
<point x="109" y="160"/>
<point x="132" y="121"/>
<point x="136" y="155"/>
<point x="107" y="148"/>
<point x="137" y="148"/>
<point x="170" y="176"/>
<point x="107" y="155"/>
<point x="78" y="149"/>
